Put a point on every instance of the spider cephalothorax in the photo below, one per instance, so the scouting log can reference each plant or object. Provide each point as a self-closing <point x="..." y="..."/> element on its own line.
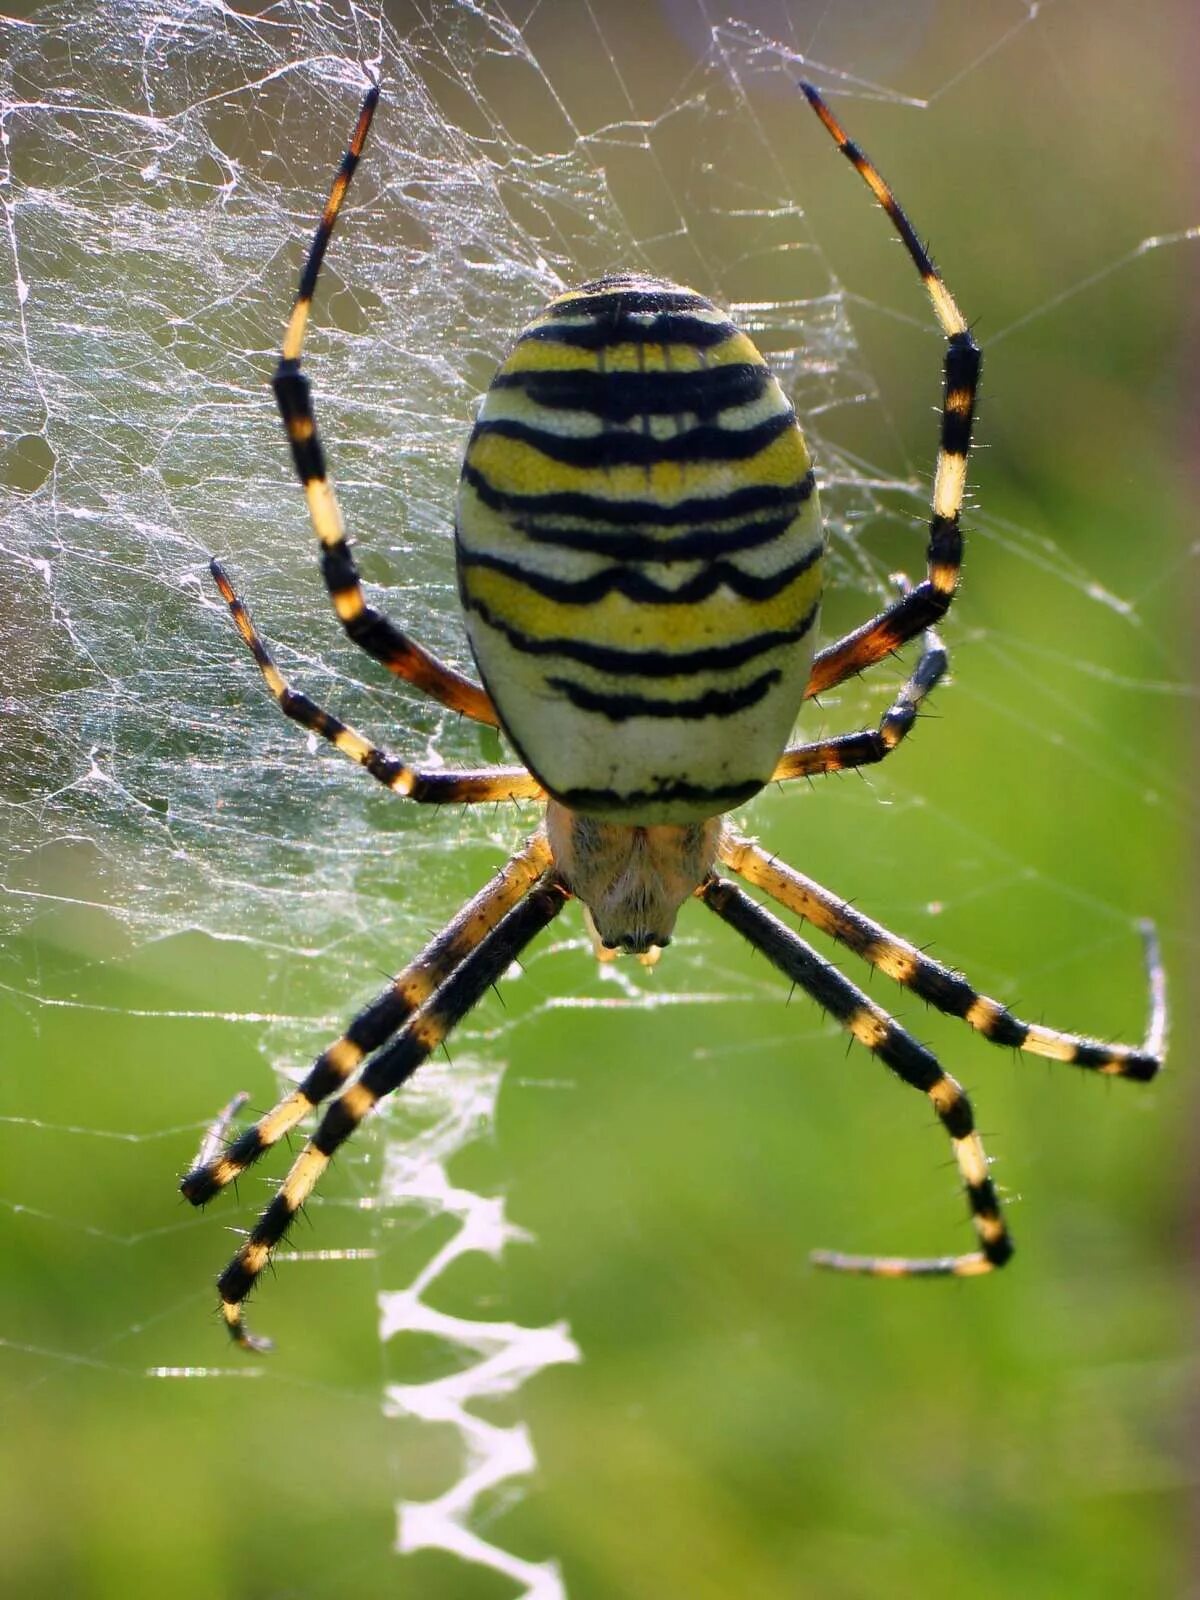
<point x="631" y="880"/>
<point x="639" y="554"/>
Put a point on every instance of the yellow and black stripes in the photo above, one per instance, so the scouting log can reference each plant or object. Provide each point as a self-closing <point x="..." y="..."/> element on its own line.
<point x="639" y="552"/>
<point x="930" y="600"/>
<point x="384" y="1072"/>
<point x="647" y="530"/>
<point x="704" y="392"/>
<point x="609" y="449"/>
<point x="219" y="1165"/>
<point x="369" y="628"/>
<point x="430" y="788"/>
<point x="293" y="340"/>
<point x="216" y="1135"/>
<point x="629" y="309"/>
<point x="632" y="582"/>
<point x="949" y="991"/>
<point x="910" y="1061"/>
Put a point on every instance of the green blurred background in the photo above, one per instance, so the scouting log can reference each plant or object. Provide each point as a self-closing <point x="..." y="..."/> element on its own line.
<point x="737" y="1426"/>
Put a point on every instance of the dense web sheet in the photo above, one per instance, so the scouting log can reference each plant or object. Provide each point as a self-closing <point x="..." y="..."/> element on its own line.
<point x="163" y="165"/>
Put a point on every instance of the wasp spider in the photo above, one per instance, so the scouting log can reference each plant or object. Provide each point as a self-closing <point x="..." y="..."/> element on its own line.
<point x="639" y="554"/>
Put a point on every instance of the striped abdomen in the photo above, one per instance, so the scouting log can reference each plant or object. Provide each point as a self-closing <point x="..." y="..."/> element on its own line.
<point x="639" y="554"/>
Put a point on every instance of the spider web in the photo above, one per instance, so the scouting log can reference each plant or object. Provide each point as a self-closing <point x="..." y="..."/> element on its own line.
<point x="163" y="165"/>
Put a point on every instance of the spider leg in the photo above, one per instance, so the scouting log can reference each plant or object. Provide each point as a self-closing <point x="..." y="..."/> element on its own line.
<point x="949" y="991"/>
<point x="216" y="1135"/>
<point x="870" y="745"/>
<point x="910" y="1061"/>
<point x="431" y="788"/>
<point x="387" y="1070"/>
<point x="369" y="629"/>
<point x="930" y="600"/>
<point x="219" y="1164"/>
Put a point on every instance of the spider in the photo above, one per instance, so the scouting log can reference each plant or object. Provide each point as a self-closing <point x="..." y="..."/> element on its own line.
<point x="639" y="552"/>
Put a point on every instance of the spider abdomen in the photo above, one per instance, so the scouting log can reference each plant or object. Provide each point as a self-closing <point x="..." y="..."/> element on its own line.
<point x="639" y="553"/>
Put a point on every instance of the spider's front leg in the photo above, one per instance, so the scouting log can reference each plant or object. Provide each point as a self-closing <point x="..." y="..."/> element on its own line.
<point x="925" y="605"/>
<point x="427" y="787"/>
<point x="369" y="628"/>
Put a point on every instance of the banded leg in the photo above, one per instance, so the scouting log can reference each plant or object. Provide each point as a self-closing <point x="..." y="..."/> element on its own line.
<point x="909" y="1060"/>
<point x="431" y="788"/>
<point x="949" y="991"/>
<point x="369" y="628"/>
<point x="219" y="1164"/>
<point x="216" y="1135"/>
<point x="930" y="600"/>
<point x="393" y="1065"/>
<point x="870" y="745"/>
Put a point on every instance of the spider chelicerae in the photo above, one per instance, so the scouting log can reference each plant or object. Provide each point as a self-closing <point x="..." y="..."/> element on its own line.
<point x="639" y="551"/>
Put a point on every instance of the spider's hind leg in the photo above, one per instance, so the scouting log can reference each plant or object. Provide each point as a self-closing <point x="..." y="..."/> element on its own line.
<point x="384" y="1072"/>
<point x="219" y="1164"/>
<point x="910" y="1061"/>
<point x="944" y="988"/>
